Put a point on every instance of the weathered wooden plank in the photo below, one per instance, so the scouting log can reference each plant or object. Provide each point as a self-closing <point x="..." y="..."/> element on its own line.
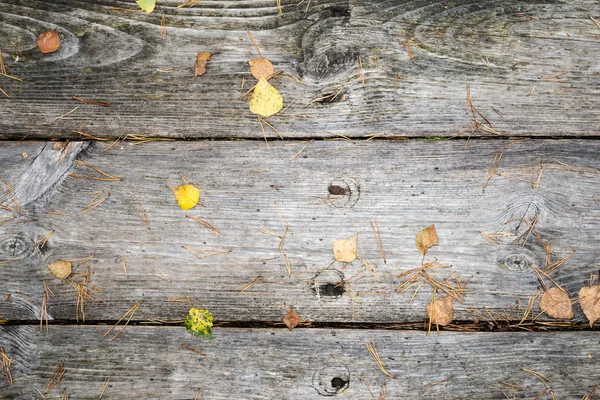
<point x="116" y="57"/>
<point x="148" y="362"/>
<point x="406" y="185"/>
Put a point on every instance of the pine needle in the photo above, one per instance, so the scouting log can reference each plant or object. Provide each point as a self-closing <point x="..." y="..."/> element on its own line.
<point x="129" y="312"/>
<point x="56" y="377"/>
<point x="99" y="198"/>
<point x="247" y="285"/>
<point x="5" y="363"/>
<point x="141" y="213"/>
<point x="200" y="254"/>
<point x="373" y="351"/>
<point x="104" y="386"/>
<point x="106" y="177"/>
<point x="377" y="235"/>
<point x="205" y="224"/>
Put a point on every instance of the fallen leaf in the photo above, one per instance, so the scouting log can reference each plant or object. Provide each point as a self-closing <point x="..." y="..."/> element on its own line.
<point x="48" y="41"/>
<point x="147" y="5"/>
<point x="589" y="300"/>
<point x="187" y="195"/>
<point x="199" y="322"/>
<point x="201" y="60"/>
<point x="291" y="319"/>
<point x="261" y="68"/>
<point x="345" y="250"/>
<point x="441" y="312"/>
<point x="60" y="269"/>
<point x="266" y="100"/>
<point x="556" y="304"/>
<point x="427" y="238"/>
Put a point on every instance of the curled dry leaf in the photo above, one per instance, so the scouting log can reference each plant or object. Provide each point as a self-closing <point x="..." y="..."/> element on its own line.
<point x="345" y="250"/>
<point x="60" y="269"/>
<point x="48" y="41"/>
<point x="261" y="68"/>
<point x="589" y="300"/>
<point x="441" y="311"/>
<point x="291" y="319"/>
<point x="187" y="195"/>
<point x="265" y="100"/>
<point x="427" y="238"/>
<point x="201" y="60"/>
<point x="556" y="303"/>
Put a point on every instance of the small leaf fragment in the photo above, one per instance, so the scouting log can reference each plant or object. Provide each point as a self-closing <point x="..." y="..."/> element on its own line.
<point x="49" y="41"/>
<point x="441" y="311"/>
<point x="345" y="250"/>
<point x="556" y="303"/>
<point x="147" y="5"/>
<point x="201" y="60"/>
<point x="265" y="100"/>
<point x="199" y="322"/>
<point x="427" y="238"/>
<point x="589" y="300"/>
<point x="187" y="196"/>
<point x="291" y="319"/>
<point x="60" y="269"/>
<point x="261" y="68"/>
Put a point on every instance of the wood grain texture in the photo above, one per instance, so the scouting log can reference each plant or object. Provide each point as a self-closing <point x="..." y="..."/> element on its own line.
<point x="148" y="362"/>
<point x="115" y="56"/>
<point x="406" y="185"/>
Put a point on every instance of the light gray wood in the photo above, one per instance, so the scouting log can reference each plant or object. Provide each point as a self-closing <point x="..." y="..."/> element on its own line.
<point x="406" y="185"/>
<point x="114" y="57"/>
<point x="148" y="362"/>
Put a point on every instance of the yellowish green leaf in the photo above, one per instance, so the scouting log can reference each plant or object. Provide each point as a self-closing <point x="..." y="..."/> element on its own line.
<point x="147" y="5"/>
<point x="265" y="100"/>
<point x="199" y="322"/>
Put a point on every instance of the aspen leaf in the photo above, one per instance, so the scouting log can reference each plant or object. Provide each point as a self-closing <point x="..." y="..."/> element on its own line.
<point x="261" y="68"/>
<point x="291" y="319"/>
<point x="187" y="196"/>
<point x="589" y="300"/>
<point x="199" y="322"/>
<point x="441" y="312"/>
<point x="266" y="100"/>
<point x="345" y="250"/>
<point x="147" y="5"/>
<point x="48" y="41"/>
<point x="60" y="269"/>
<point x="427" y="238"/>
<point x="201" y="60"/>
<point x="556" y="304"/>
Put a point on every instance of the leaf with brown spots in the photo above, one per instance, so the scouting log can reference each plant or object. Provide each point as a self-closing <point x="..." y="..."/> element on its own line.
<point x="427" y="238"/>
<point x="345" y="250"/>
<point x="60" y="269"/>
<point x="261" y="68"/>
<point x="291" y="319"/>
<point x="441" y="311"/>
<point x="48" y="41"/>
<point x="556" y="303"/>
<point x="201" y="61"/>
<point x="589" y="300"/>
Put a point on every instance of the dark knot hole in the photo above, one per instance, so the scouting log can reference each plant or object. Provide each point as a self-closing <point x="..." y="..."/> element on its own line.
<point x="338" y="383"/>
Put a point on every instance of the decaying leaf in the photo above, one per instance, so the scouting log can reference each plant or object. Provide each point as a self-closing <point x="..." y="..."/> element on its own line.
<point x="589" y="300"/>
<point x="60" y="269"/>
<point x="265" y="100"/>
<point x="441" y="311"/>
<point x="261" y="68"/>
<point x="147" y="5"/>
<point x="556" y="303"/>
<point x="201" y="60"/>
<point x="48" y="41"/>
<point x="199" y="322"/>
<point x="291" y="319"/>
<point x="427" y="238"/>
<point x="345" y="250"/>
<point x="187" y="195"/>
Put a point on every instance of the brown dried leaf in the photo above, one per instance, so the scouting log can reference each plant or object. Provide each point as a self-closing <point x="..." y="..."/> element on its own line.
<point x="427" y="238"/>
<point x="589" y="300"/>
<point x="200" y="66"/>
<point x="441" y="312"/>
<point x="261" y="68"/>
<point x="291" y="319"/>
<point x="556" y="303"/>
<point x="60" y="269"/>
<point x="48" y="41"/>
<point x="345" y="250"/>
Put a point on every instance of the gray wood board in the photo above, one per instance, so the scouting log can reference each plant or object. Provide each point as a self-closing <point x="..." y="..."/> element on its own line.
<point x="148" y="362"/>
<point x="406" y="185"/>
<point x="116" y="57"/>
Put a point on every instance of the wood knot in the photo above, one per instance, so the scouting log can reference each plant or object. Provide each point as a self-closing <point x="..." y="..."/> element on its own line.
<point x="334" y="61"/>
<point x="15" y="246"/>
<point x="343" y="192"/>
<point x="517" y="258"/>
<point x="331" y="380"/>
<point x="328" y="285"/>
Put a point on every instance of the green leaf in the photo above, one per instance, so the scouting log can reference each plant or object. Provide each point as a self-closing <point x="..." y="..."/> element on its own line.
<point x="147" y="5"/>
<point x="199" y="322"/>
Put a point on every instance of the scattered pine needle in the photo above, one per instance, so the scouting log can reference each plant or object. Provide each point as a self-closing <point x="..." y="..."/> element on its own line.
<point x="56" y="377"/>
<point x="11" y="77"/>
<point x="129" y="312"/>
<point x="302" y="149"/>
<point x="67" y="114"/>
<point x="9" y="194"/>
<point x="201" y="254"/>
<point x="254" y="43"/>
<point x="163" y="27"/>
<point x="377" y="235"/>
<point x="382" y="393"/>
<point x="555" y="77"/>
<point x="192" y="349"/>
<point x="4" y="93"/>
<point x="96" y="102"/>
<point x="160" y="273"/>
<point x="104" y="386"/>
<point x="373" y="351"/>
<point x="434" y="383"/>
<point x="106" y="177"/>
<point x="44" y="309"/>
<point x="205" y="224"/>
<point x="539" y="376"/>
<point x="124" y="265"/>
<point x="189" y="3"/>
<point x="99" y="198"/>
<point x="360" y="70"/>
<point x="247" y="285"/>
<point x="5" y="363"/>
<point x="44" y="241"/>
<point x="595" y="21"/>
<point x="279" y="9"/>
<point x="83" y="295"/>
<point x="141" y="213"/>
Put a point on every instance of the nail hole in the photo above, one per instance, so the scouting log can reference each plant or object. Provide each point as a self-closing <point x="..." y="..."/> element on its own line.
<point x="338" y="382"/>
<point x="336" y="190"/>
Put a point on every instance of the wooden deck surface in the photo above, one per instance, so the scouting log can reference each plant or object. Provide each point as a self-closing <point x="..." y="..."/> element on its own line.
<point x="512" y="188"/>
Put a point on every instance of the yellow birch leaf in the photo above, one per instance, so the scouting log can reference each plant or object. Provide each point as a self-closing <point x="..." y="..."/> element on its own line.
<point x="147" y="5"/>
<point x="345" y="250"/>
<point x="266" y="100"/>
<point x="187" y="196"/>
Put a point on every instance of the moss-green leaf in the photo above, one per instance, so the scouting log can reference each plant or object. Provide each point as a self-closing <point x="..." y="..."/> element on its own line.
<point x="199" y="322"/>
<point x="147" y="5"/>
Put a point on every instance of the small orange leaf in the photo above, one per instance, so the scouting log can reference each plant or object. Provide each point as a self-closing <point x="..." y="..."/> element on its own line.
<point x="201" y="61"/>
<point x="427" y="238"/>
<point x="261" y="68"/>
<point x="48" y="41"/>
<point x="291" y="319"/>
<point x="556" y="303"/>
<point x="589" y="300"/>
<point x="345" y="250"/>
<point x="441" y="311"/>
